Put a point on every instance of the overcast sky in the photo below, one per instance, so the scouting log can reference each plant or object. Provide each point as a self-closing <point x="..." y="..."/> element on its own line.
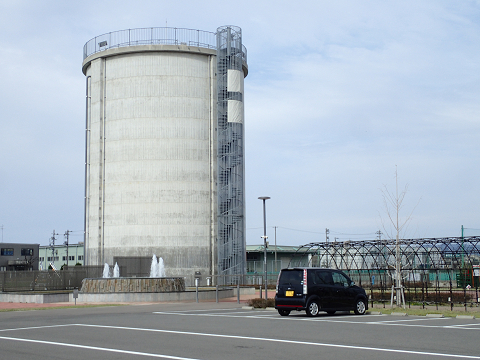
<point x="339" y="95"/>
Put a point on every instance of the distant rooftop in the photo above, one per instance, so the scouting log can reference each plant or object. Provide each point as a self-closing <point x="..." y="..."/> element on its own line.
<point x="271" y="247"/>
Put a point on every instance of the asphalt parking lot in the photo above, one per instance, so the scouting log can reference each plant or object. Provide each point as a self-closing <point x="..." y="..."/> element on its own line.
<point x="227" y="331"/>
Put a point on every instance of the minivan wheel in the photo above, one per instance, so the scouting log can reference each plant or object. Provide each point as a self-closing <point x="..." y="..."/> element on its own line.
<point x="283" y="312"/>
<point x="313" y="308"/>
<point x="360" y="307"/>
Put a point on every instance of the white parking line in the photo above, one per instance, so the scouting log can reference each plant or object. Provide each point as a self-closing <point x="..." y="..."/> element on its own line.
<point x="36" y="327"/>
<point x="138" y="353"/>
<point x="286" y="341"/>
<point x="249" y="313"/>
<point x="416" y="319"/>
<point x="273" y="316"/>
<point x="384" y="323"/>
<point x="466" y="326"/>
<point x="200" y="310"/>
<point x="282" y="341"/>
<point x="212" y="314"/>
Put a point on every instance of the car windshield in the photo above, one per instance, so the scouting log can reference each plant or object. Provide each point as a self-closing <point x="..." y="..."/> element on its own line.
<point x="291" y="277"/>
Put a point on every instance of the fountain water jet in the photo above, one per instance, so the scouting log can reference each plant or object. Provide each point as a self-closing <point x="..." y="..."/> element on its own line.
<point x="157" y="268"/>
<point x="161" y="268"/>
<point x="106" y="271"/>
<point x="116" y="271"/>
<point x="154" y="266"/>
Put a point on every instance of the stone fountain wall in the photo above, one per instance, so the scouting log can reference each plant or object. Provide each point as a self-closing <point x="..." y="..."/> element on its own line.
<point x="133" y="285"/>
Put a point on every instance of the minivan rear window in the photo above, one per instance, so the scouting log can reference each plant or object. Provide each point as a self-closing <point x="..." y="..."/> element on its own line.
<point x="291" y="277"/>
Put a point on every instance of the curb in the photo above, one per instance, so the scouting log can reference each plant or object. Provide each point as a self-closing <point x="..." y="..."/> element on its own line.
<point x="398" y="314"/>
<point x="374" y="313"/>
<point x="435" y="315"/>
<point x="469" y="317"/>
<point x="253" y="308"/>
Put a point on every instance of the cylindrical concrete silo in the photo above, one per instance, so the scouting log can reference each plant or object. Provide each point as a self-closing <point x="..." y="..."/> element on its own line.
<point x="151" y="148"/>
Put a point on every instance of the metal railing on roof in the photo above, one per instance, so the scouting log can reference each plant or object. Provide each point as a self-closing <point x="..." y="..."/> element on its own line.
<point x="153" y="36"/>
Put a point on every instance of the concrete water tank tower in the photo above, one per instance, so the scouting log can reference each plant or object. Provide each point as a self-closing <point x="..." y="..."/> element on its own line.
<point x="164" y="162"/>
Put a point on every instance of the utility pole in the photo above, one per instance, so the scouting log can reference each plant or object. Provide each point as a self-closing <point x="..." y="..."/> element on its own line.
<point x="463" y="252"/>
<point x="67" y="233"/>
<point x="328" y="249"/>
<point x="52" y="246"/>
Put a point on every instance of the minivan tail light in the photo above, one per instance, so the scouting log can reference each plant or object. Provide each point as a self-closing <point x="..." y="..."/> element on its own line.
<point x="278" y="282"/>
<point x="304" y="281"/>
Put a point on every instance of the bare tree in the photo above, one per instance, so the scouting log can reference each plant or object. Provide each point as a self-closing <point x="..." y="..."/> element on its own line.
<point x="393" y="204"/>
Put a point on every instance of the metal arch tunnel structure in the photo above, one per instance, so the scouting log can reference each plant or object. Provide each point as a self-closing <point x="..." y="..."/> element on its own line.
<point x="427" y="263"/>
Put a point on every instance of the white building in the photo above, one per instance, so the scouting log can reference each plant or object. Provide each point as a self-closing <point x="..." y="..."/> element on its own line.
<point x="60" y="255"/>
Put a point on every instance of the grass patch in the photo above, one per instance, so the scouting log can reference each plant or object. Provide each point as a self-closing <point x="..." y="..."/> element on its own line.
<point x="414" y="311"/>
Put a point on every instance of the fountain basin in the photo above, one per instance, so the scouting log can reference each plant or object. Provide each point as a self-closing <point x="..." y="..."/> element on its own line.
<point x="132" y="285"/>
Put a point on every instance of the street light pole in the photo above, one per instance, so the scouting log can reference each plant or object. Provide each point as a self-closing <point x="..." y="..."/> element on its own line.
<point x="67" y="234"/>
<point x="275" y="227"/>
<point x="264" y="198"/>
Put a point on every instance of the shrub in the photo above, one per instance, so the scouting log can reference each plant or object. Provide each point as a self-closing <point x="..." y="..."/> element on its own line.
<point x="261" y="303"/>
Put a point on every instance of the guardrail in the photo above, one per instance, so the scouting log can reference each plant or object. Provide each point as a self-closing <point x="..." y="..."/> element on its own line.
<point x="153" y="36"/>
<point x="150" y="36"/>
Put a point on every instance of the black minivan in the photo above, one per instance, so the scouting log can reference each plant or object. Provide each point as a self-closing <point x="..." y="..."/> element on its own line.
<point x="318" y="289"/>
